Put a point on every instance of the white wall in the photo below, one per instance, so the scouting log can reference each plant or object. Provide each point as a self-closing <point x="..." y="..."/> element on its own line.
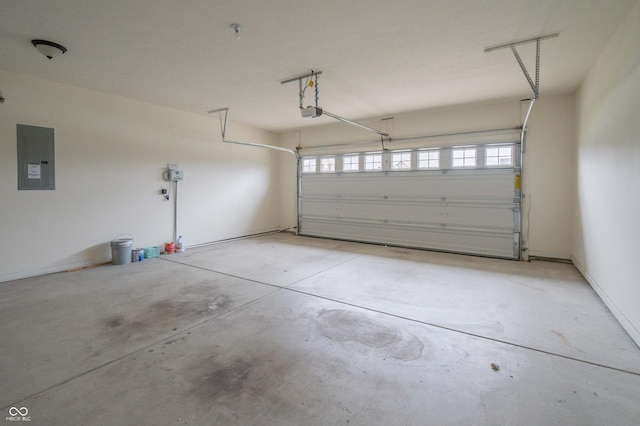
<point x="110" y="153"/>
<point x="607" y="205"/>
<point x="548" y="178"/>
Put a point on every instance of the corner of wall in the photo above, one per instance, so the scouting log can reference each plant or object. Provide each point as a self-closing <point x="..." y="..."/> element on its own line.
<point x="605" y="231"/>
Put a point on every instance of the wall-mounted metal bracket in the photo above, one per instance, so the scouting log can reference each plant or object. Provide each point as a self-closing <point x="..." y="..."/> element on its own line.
<point x="535" y="86"/>
<point x="519" y="243"/>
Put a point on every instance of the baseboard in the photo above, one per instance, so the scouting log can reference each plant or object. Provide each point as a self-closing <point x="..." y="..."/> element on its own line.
<point x="231" y="237"/>
<point x="549" y="259"/>
<point x="633" y="332"/>
<point x="48" y="270"/>
<point x="78" y="265"/>
<point x="549" y="255"/>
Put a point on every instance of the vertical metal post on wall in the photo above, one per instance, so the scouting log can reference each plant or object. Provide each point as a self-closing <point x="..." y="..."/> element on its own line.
<point x="535" y="87"/>
<point x="298" y="195"/>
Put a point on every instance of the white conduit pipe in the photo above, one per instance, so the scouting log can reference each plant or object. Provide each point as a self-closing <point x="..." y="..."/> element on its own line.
<point x="175" y="212"/>
<point x="523" y="132"/>
<point x="260" y="145"/>
<point x="524" y="238"/>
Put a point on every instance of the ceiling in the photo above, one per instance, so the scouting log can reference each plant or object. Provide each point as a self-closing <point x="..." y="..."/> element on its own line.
<point x="378" y="57"/>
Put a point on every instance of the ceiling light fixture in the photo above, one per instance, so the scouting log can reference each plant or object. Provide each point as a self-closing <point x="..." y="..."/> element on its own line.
<point x="236" y="28"/>
<point x="49" y="48"/>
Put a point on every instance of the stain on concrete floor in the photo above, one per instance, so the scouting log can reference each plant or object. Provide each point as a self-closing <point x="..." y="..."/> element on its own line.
<point x="214" y="379"/>
<point x="565" y="340"/>
<point x="220" y="380"/>
<point x="343" y="325"/>
<point x="162" y="315"/>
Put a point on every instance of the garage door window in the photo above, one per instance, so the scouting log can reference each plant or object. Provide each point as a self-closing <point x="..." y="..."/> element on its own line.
<point x="460" y="157"/>
<point x="429" y="160"/>
<point x="327" y="164"/>
<point x="401" y="161"/>
<point x="464" y="158"/>
<point x="458" y="198"/>
<point x="373" y="162"/>
<point x="350" y="163"/>
<point x="499" y="156"/>
<point x="309" y="165"/>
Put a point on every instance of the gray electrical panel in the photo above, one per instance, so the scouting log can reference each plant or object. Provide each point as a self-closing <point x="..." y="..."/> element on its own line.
<point x="36" y="162"/>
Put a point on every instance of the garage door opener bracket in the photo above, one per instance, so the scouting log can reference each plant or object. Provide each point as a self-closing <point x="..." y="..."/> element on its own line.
<point x="311" y="80"/>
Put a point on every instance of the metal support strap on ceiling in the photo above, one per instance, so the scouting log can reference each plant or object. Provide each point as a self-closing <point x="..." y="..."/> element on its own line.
<point x="535" y="85"/>
<point x="316" y="111"/>
<point x="223" y="130"/>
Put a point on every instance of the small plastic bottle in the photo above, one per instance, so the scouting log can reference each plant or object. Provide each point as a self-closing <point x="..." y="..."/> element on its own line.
<point x="180" y="244"/>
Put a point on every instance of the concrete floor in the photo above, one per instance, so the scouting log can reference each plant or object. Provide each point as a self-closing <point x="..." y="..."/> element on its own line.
<point x="286" y="330"/>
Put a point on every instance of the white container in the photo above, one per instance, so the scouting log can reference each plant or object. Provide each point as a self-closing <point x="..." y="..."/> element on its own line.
<point x="180" y="245"/>
<point x="137" y="255"/>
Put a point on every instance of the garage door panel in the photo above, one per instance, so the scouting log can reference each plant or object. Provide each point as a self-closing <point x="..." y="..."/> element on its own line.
<point x="467" y="210"/>
<point x="427" y="185"/>
<point x="486" y="215"/>
<point x="460" y="241"/>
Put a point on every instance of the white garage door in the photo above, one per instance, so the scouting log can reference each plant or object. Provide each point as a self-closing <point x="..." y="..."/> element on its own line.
<point x="463" y="199"/>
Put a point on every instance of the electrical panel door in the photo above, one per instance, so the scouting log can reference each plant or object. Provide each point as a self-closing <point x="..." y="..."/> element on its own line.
<point x="36" y="161"/>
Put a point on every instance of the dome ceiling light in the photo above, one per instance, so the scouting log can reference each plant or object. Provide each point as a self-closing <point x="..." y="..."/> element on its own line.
<point x="49" y="48"/>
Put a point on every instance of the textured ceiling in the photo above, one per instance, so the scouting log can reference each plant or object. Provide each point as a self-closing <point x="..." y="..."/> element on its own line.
<point x="378" y="57"/>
